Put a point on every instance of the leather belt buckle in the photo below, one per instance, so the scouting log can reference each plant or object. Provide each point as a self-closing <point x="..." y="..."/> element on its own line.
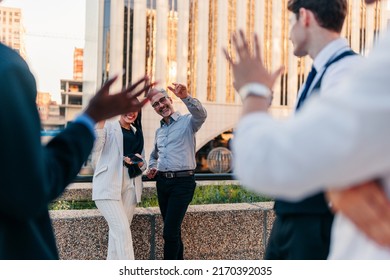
<point x="169" y="175"/>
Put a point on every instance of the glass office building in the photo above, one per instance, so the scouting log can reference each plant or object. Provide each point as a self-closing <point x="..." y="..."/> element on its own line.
<point x="182" y="41"/>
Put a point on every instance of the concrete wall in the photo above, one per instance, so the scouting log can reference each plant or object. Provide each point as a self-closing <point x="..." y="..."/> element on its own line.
<point x="209" y="232"/>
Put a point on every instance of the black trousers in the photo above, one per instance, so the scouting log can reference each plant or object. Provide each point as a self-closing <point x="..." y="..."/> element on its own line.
<point x="174" y="196"/>
<point x="300" y="237"/>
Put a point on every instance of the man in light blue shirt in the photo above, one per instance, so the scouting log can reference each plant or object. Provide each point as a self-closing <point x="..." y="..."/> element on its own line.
<point x="172" y="162"/>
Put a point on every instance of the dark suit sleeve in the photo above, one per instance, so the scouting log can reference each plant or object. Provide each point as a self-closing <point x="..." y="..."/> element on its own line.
<point x="32" y="175"/>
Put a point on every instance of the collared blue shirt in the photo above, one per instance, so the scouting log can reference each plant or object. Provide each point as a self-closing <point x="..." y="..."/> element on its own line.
<point x="174" y="147"/>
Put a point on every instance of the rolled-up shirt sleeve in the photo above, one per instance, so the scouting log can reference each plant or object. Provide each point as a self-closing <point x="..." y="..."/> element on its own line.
<point x="198" y="112"/>
<point x="153" y="155"/>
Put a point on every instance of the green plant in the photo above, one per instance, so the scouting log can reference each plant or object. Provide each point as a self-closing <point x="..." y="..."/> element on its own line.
<point x="72" y="205"/>
<point x="217" y="194"/>
<point x="149" y="202"/>
<point x="212" y="194"/>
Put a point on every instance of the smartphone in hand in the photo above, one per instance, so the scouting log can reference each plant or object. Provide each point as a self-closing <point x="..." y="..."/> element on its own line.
<point x="134" y="158"/>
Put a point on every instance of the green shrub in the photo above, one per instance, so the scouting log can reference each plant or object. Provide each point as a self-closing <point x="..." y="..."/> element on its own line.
<point x="225" y="194"/>
<point x="213" y="194"/>
<point x="72" y="205"/>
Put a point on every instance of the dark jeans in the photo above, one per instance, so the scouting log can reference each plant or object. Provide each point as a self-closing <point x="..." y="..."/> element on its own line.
<point x="174" y="196"/>
<point x="300" y="237"/>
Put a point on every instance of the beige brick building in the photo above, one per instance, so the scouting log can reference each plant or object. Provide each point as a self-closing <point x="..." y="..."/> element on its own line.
<point x="11" y="29"/>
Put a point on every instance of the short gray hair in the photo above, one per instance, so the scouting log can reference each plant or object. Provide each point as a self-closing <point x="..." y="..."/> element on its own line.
<point x="161" y="90"/>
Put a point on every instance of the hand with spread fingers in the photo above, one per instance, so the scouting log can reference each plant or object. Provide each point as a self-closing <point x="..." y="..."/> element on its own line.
<point x="179" y="90"/>
<point x="104" y="105"/>
<point x="249" y="67"/>
<point x="367" y="206"/>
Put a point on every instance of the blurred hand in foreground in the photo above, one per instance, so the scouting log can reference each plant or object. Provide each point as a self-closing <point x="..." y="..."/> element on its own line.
<point x="104" y="105"/>
<point x="249" y="67"/>
<point x="367" y="206"/>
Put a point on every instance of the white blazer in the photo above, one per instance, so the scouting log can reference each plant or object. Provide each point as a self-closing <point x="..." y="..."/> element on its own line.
<point x="108" y="176"/>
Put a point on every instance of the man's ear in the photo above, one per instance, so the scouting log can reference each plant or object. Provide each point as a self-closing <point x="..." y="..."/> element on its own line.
<point x="305" y="16"/>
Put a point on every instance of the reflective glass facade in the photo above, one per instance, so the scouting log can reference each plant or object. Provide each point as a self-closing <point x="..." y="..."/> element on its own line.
<point x="181" y="41"/>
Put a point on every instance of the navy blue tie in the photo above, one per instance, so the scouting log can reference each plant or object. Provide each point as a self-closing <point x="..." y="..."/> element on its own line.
<point x="309" y="80"/>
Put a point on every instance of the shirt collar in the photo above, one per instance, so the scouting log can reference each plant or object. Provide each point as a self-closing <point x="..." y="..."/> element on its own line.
<point x="173" y="117"/>
<point x="331" y="50"/>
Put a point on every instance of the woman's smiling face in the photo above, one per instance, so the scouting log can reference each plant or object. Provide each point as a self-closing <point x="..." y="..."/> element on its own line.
<point x="129" y="117"/>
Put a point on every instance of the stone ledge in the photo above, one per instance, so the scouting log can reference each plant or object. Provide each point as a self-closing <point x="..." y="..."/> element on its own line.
<point x="210" y="232"/>
<point x="83" y="191"/>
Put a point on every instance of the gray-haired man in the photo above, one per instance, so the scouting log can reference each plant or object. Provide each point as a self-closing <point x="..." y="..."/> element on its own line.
<point x="172" y="162"/>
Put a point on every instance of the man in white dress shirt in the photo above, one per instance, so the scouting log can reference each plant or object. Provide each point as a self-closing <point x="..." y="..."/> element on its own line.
<point x="338" y="139"/>
<point x="302" y="229"/>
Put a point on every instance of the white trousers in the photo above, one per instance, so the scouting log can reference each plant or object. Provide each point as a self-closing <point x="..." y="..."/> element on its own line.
<point x="119" y="215"/>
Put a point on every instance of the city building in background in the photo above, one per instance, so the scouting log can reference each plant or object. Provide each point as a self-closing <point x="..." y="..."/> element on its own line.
<point x="11" y="29"/>
<point x="49" y="113"/>
<point x="72" y="90"/>
<point x="54" y="122"/>
<point x="181" y="41"/>
<point x="78" y="62"/>
<point x="71" y="99"/>
<point x="54" y="117"/>
<point x="43" y="101"/>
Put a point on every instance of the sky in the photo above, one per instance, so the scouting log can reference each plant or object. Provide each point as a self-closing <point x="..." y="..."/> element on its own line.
<point x="53" y="29"/>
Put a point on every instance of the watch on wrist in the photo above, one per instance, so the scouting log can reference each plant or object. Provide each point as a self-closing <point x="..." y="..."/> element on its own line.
<point x="255" y="89"/>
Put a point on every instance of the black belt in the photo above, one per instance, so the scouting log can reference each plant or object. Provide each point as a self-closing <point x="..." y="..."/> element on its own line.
<point x="176" y="174"/>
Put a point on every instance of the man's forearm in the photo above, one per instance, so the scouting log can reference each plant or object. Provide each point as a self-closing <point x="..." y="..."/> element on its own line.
<point x="198" y="112"/>
<point x="152" y="160"/>
<point x="195" y="107"/>
<point x="253" y="104"/>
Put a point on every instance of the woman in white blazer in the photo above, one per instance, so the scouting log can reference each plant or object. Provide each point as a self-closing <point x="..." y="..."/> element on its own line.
<point x="117" y="181"/>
